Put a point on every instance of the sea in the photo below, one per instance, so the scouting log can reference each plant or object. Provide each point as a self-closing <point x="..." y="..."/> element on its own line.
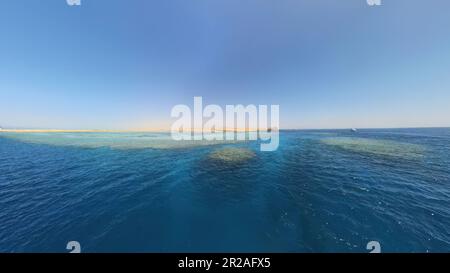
<point x="320" y="191"/>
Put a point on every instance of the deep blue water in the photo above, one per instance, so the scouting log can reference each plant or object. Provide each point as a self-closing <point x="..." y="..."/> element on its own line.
<point x="321" y="191"/>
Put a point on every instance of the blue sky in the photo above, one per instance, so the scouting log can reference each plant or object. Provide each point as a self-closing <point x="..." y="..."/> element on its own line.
<point x="123" y="64"/>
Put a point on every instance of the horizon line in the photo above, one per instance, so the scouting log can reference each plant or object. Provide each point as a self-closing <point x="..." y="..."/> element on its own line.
<point x="11" y="130"/>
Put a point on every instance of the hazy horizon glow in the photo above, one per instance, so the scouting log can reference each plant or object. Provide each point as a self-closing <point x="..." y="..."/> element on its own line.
<point x="118" y="65"/>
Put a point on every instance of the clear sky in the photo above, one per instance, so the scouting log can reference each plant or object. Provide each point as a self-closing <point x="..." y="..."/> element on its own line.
<point x="123" y="64"/>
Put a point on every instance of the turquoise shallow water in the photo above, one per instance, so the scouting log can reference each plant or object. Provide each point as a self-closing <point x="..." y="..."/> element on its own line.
<point x="321" y="191"/>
